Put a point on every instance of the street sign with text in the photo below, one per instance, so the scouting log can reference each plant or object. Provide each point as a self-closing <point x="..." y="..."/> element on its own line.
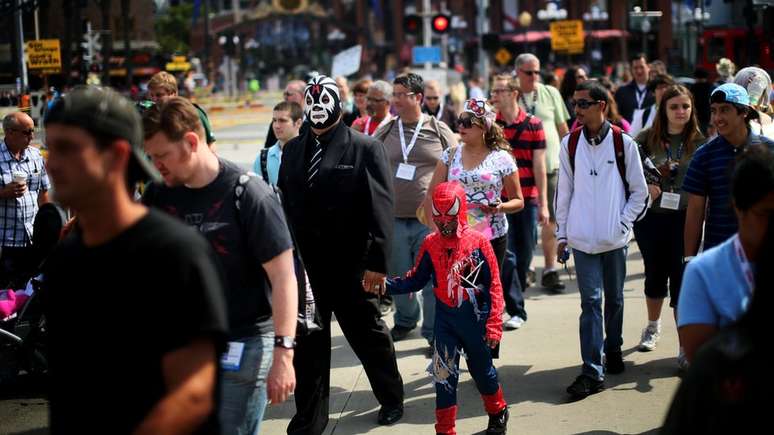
<point x="567" y="36"/>
<point x="44" y="54"/>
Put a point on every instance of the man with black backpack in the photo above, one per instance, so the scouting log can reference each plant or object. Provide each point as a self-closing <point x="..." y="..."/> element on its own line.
<point x="243" y="221"/>
<point x="525" y="134"/>
<point x="601" y="192"/>
<point x="286" y="121"/>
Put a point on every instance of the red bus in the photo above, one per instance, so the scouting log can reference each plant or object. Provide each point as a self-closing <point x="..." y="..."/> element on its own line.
<point x="734" y="44"/>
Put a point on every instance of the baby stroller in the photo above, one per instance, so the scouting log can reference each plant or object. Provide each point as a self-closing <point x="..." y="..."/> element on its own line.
<point x="23" y="333"/>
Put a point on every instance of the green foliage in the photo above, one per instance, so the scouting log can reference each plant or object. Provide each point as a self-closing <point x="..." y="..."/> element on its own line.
<point x="173" y="29"/>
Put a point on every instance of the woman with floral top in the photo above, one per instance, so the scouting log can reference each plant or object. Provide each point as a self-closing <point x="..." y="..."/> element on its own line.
<point x="486" y="169"/>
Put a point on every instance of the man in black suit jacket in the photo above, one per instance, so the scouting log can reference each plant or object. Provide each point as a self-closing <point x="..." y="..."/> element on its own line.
<point x="635" y="94"/>
<point x="338" y="194"/>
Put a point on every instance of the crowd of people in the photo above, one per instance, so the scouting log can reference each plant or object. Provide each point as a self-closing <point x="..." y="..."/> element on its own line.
<point x="433" y="207"/>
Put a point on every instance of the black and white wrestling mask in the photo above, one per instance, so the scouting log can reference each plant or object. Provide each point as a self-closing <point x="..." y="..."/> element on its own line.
<point x="322" y="102"/>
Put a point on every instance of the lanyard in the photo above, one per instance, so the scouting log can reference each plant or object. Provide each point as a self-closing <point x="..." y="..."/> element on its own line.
<point x="530" y="110"/>
<point x="407" y="149"/>
<point x="368" y="125"/>
<point x="640" y="97"/>
<point x="747" y="271"/>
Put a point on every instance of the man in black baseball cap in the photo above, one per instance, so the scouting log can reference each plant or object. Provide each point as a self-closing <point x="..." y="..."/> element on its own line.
<point x="152" y="299"/>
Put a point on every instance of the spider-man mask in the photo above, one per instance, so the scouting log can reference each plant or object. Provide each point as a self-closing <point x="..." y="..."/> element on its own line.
<point x="322" y="102"/>
<point x="450" y="209"/>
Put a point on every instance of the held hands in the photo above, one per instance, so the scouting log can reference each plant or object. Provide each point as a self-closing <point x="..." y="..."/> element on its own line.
<point x="374" y="282"/>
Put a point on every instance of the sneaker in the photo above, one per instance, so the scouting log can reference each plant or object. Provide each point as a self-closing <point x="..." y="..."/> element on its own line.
<point x="650" y="336"/>
<point x="682" y="361"/>
<point x="614" y="364"/>
<point x="531" y="276"/>
<point x="498" y="423"/>
<point x="585" y="386"/>
<point x="399" y="333"/>
<point x="551" y="281"/>
<point x="513" y="323"/>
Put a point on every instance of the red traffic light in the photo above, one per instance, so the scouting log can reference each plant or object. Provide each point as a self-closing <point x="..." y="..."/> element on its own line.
<point x="412" y="24"/>
<point x="441" y="23"/>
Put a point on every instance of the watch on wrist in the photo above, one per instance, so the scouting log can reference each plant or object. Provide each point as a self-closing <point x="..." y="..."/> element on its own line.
<point x="284" y="342"/>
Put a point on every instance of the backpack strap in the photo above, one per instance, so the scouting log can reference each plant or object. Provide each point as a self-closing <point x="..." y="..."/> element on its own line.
<point x="620" y="158"/>
<point x="521" y="127"/>
<point x="572" y="146"/>
<point x="265" y="165"/>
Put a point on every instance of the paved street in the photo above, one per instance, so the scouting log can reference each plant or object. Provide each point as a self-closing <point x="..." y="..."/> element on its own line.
<point x="536" y="365"/>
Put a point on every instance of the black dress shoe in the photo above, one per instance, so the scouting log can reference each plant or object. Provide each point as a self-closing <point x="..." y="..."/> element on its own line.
<point x="399" y="333"/>
<point x="585" y="386"/>
<point x="498" y="423"/>
<point x="389" y="415"/>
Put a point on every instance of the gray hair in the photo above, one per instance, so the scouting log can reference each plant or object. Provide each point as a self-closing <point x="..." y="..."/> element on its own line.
<point x="526" y="58"/>
<point x="383" y="87"/>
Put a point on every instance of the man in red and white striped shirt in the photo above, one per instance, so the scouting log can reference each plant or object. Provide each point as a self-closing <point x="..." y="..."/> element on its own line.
<point x="525" y="134"/>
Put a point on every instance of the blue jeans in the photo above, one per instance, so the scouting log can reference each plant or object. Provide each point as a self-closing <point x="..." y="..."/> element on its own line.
<point x="407" y="238"/>
<point x="597" y="273"/>
<point x="522" y="238"/>
<point x="243" y="392"/>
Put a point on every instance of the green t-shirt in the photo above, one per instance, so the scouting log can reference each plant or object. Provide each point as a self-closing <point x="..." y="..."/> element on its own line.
<point x="549" y="108"/>
<point x="659" y="155"/>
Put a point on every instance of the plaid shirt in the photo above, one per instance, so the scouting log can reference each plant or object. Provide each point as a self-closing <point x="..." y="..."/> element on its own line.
<point x="17" y="214"/>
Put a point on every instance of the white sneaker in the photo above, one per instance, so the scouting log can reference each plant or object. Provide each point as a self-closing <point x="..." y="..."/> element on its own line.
<point x="650" y="337"/>
<point x="514" y="322"/>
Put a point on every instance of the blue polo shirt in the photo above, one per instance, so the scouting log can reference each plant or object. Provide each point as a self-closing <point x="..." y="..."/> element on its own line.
<point x="709" y="175"/>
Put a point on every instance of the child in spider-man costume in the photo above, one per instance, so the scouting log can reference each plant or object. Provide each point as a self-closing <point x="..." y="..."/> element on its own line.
<point x="466" y="281"/>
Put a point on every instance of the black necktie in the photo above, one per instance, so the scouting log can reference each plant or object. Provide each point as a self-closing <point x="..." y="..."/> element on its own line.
<point x="314" y="162"/>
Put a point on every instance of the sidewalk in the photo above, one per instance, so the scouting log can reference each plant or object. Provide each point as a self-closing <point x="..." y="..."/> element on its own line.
<point x="537" y="363"/>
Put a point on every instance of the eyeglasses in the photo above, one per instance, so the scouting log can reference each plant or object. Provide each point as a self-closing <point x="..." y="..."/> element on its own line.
<point x="530" y="73"/>
<point x="288" y="93"/>
<point x="29" y="132"/>
<point x="431" y="98"/>
<point x="376" y="100"/>
<point x="402" y="94"/>
<point x="465" y="121"/>
<point x="583" y="104"/>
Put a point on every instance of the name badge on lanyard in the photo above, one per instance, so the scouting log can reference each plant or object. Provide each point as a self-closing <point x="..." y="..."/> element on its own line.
<point x="670" y="201"/>
<point x="406" y="171"/>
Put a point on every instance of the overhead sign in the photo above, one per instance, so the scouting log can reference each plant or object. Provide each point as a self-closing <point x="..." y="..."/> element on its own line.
<point x="347" y="62"/>
<point x="44" y="54"/>
<point x="567" y="36"/>
<point x="421" y="55"/>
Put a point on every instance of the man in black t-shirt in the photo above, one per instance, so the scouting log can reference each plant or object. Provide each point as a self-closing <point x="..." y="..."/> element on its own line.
<point x="243" y="221"/>
<point x="132" y="299"/>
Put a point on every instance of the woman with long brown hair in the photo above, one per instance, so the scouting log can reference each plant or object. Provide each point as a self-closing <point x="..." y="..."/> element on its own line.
<point x="666" y="148"/>
<point x="485" y="167"/>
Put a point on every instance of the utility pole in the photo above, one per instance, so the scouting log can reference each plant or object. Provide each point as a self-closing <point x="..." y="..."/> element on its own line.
<point x="22" y="81"/>
<point x="207" y="69"/>
<point x="482" y="26"/>
<point x="427" y="28"/>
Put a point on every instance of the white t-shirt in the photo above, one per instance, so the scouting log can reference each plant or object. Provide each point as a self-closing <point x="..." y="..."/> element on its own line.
<point x="483" y="185"/>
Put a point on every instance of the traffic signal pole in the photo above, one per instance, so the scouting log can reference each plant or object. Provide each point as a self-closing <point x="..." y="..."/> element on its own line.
<point x="427" y="31"/>
<point x="482" y="25"/>
<point x="20" y="46"/>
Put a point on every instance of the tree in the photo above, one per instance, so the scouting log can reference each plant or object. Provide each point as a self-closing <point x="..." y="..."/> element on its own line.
<point x="173" y="29"/>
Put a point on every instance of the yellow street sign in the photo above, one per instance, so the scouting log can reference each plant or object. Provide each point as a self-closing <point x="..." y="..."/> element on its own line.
<point x="567" y="36"/>
<point x="503" y="56"/>
<point x="178" y="66"/>
<point x="43" y="54"/>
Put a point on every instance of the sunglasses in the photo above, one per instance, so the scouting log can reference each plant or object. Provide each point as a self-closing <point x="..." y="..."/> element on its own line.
<point x="465" y="121"/>
<point x="287" y="94"/>
<point x="530" y="73"/>
<point x="583" y="104"/>
<point x="431" y="98"/>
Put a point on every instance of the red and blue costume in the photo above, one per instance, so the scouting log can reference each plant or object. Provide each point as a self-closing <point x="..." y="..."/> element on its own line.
<point x="466" y="281"/>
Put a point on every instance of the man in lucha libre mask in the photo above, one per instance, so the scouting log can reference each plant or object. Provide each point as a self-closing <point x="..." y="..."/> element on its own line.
<point x="337" y="188"/>
<point x="462" y="265"/>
